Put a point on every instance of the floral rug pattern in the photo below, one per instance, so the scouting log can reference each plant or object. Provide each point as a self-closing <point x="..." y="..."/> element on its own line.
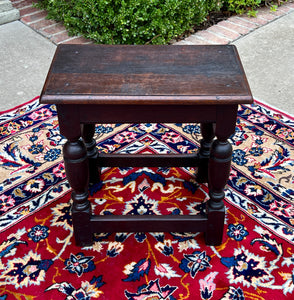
<point x="38" y="257"/>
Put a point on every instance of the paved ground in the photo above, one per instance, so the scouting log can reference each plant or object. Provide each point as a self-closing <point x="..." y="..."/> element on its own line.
<point x="265" y="44"/>
<point x="268" y="58"/>
<point x="25" y="59"/>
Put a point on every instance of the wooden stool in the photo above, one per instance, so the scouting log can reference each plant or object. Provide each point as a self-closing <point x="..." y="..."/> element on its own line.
<point x="146" y="84"/>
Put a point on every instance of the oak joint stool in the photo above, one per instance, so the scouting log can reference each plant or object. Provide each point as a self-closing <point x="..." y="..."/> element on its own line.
<point x="146" y="84"/>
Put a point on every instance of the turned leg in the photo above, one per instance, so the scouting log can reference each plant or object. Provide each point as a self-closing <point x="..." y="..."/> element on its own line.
<point x="207" y="131"/>
<point x="76" y="166"/>
<point x="218" y="173"/>
<point x="88" y="131"/>
<point x="77" y="172"/>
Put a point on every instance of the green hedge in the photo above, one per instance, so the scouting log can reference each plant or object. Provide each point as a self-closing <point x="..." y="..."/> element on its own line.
<point x="242" y="6"/>
<point x="129" y="21"/>
<point x="140" y="21"/>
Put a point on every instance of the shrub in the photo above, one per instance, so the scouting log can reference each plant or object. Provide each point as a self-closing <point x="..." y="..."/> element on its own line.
<point x="242" y="6"/>
<point x="129" y="21"/>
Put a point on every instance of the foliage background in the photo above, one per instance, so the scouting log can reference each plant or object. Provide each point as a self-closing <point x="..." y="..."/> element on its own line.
<point x="137" y="21"/>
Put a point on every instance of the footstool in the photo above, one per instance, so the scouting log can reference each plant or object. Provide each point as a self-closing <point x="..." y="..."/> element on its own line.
<point x="146" y="84"/>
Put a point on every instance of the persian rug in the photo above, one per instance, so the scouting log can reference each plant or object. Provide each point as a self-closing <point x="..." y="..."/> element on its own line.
<point x="38" y="256"/>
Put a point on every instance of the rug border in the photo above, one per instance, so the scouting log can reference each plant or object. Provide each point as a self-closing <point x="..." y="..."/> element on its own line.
<point x="272" y="107"/>
<point x="18" y="106"/>
<point x="260" y="102"/>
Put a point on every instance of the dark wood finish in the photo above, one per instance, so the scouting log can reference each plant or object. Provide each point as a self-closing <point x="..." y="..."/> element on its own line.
<point x="88" y="131"/>
<point x="208" y="134"/>
<point x="131" y="223"/>
<point x="148" y="75"/>
<point x="145" y="113"/>
<point x="132" y="84"/>
<point x="143" y="160"/>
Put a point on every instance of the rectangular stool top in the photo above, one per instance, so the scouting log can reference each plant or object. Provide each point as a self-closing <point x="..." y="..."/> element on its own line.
<point x="147" y="75"/>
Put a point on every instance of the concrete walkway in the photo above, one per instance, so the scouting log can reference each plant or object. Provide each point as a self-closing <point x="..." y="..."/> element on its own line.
<point x="267" y="55"/>
<point x="25" y="60"/>
<point x="265" y="44"/>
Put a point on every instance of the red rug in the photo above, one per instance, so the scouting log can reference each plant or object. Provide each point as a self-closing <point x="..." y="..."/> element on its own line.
<point x="38" y="257"/>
